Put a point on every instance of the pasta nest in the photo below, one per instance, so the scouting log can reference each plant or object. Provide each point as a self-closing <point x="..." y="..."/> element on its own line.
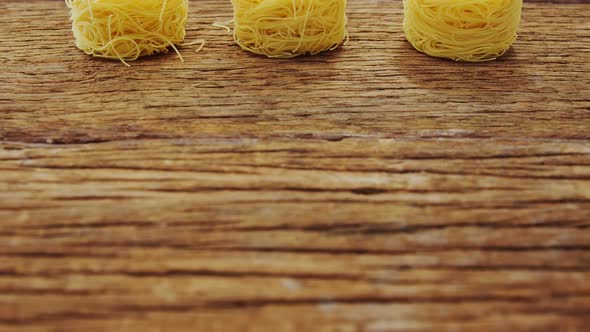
<point x="462" y="30"/>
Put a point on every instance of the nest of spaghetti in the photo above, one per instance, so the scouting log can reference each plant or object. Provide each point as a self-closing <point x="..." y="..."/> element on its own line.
<point x="289" y="28"/>
<point x="462" y="30"/>
<point x="128" y="29"/>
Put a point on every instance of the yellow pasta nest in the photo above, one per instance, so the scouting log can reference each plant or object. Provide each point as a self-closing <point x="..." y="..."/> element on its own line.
<point x="288" y="28"/>
<point x="128" y="29"/>
<point x="462" y="30"/>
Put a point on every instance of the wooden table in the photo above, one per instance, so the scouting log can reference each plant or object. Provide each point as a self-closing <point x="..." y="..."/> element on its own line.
<point x="371" y="189"/>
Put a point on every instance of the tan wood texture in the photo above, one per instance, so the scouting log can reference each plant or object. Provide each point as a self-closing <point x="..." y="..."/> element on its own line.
<point x="370" y="189"/>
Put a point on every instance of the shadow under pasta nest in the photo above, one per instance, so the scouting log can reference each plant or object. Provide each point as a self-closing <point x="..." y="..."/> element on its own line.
<point x="113" y="64"/>
<point x="503" y="76"/>
<point x="305" y="58"/>
<point x="303" y="69"/>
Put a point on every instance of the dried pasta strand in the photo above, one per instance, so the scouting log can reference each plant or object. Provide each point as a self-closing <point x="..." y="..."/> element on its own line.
<point x="288" y="28"/>
<point x="462" y="30"/>
<point x="128" y="29"/>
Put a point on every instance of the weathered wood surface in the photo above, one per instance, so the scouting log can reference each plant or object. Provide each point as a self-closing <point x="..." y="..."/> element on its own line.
<point x="372" y="189"/>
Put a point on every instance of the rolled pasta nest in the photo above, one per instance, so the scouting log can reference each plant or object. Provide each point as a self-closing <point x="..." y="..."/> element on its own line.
<point x="128" y="29"/>
<point x="288" y="28"/>
<point x="462" y="30"/>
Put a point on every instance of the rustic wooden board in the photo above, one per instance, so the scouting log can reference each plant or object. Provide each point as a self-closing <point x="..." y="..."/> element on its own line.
<point x="371" y="189"/>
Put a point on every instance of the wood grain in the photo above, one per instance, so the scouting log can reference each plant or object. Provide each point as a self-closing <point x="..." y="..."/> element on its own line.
<point x="371" y="189"/>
